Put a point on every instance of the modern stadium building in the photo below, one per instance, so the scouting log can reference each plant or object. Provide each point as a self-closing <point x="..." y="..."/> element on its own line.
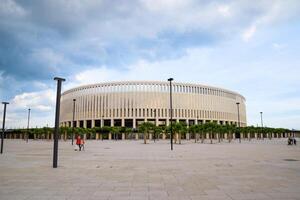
<point x="131" y="103"/>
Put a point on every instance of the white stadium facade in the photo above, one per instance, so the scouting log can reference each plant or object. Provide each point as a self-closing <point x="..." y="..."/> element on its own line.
<point x="130" y="103"/>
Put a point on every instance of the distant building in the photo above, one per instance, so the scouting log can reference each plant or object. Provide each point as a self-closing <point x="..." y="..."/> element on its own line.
<point x="131" y="103"/>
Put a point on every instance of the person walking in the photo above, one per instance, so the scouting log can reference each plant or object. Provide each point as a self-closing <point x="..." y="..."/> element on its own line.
<point x="78" y="142"/>
<point x="82" y="143"/>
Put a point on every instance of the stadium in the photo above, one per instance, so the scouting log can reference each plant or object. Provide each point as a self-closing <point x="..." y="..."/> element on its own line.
<point x="130" y="103"/>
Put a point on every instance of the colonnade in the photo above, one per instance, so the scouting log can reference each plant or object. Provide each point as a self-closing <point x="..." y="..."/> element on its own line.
<point x="133" y="123"/>
<point x="163" y="136"/>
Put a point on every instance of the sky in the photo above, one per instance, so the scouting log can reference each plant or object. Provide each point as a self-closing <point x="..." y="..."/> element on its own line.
<point x="251" y="47"/>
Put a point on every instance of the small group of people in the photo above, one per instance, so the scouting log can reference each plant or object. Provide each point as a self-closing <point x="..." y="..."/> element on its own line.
<point x="292" y="141"/>
<point x="80" y="142"/>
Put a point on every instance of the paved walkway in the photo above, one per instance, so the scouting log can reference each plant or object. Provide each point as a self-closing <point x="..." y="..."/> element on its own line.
<point x="132" y="170"/>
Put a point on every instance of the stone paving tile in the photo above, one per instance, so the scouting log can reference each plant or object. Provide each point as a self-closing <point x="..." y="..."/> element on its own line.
<point x="131" y="170"/>
<point x="249" y="196"/>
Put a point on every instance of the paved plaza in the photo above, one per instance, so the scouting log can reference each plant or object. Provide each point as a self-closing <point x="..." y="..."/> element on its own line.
<point x="260" y="169"/>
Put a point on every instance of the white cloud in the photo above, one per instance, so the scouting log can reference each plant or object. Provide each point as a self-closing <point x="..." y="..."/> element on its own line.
<point x="259" y="80"/>
<point x="86" y="28"/>
<point x="42" y="106"/>
<point x="10" y="8"/>
<point x="41" y="101"/>
<point x="224" y="10"/>
<point x="49" y="57"/>
<point x="272" y="12"/>
<point x="278" y="47"/>
<point x="249" y="32"/>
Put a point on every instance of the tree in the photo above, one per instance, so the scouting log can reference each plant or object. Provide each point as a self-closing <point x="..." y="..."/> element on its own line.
<point x="193" y="130"/>
<point x="105" y="130"/>
<point x="91" y="132"/>
<point x="97" y="131"/>
<point x="177" y="130"/>
<point x="127" y="131"/>
<point x="201" y="130"/>
<point x="115" y="130"/>
<point x="209" y="128"/>
<point x="157" y="131"/>
<point x="164" y="129"/>
<point x="222" y="130"/>
<point x="47" y="132"/>
<point x="232" y="130"/>
<point x="146" y="128"/>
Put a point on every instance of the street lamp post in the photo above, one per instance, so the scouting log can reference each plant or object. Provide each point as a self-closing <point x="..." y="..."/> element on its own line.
<point x="101" y="125"/>
<point x="28" y="120"/>
<point x="196" y="125"/>
<point x="154" y="134"/>
<point x="239" y="124"/>
<point x="74" y="100"/>
<point x="171" y="112"/>
<point x="3" y="125"/>
<point x="56" y="130"/>
<point x="262" y="125"/>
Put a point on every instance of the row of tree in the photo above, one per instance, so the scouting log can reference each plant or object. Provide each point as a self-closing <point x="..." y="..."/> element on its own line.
<point x="180" y="130"/>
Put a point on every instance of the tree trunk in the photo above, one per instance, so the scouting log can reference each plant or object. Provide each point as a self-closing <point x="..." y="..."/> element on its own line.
<point x="145" y="138"/>
<point x="179" y="138"/>
<point x="65" y="135"/>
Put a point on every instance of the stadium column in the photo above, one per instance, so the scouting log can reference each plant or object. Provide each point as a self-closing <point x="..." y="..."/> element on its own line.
<point x="134" y="123"/>
<point x="93" y="123"/>
<point x="112" y="122"/>
<point x="84" y="126"/>
<point x="187" y="135"/>
<point x="111" y="125"/>
<point x="218" y="134"/>
<point x="122" y="122"/>
<point x="155" y="115"/>
<point x="102" y="122"/>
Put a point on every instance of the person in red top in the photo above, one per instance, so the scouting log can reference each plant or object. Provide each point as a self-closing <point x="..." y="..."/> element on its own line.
<point x="78" y="142"/>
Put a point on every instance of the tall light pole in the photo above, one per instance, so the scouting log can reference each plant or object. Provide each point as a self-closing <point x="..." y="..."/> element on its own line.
<point x="101" y="125"/>
<point x="239" y="124"/>
<point x="261" y="121"/>
<point x="154" y="135"/>
<point x="74" y="100"/>
<point x="3" y="126"/>
<point x="56" y="130"/>
<point x="28" y="120"/>
<point x="171" y="112"/>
